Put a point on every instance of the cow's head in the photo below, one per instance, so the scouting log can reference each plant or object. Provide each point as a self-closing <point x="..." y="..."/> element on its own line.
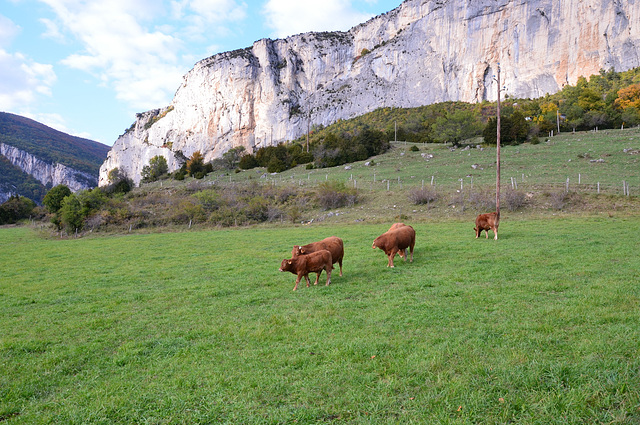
<point x="297" y="250"/>
<point x="285" y="266"/>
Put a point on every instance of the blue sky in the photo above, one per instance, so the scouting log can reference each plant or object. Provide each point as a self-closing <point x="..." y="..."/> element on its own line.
<point x="86" y="67"/>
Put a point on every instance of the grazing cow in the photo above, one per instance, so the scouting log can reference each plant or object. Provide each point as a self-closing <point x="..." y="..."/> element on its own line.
<point x="396" y="240"/>
<point x="402" y="252"/>
<point x="486" y="222"/>
<point x="305" y="264"/>
<point x="332" y="244"/>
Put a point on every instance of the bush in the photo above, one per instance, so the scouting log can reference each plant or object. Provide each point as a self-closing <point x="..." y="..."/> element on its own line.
<point x="53" y="199"/>
<point x="423" y="196"/>
<point x="335" y="195"/>
<point x="16" y="208"/>
<point x="558" y="199"/>
<point x="514" y="199"/>
<point x="483" y="200"/>
<point x="414" y="148"/>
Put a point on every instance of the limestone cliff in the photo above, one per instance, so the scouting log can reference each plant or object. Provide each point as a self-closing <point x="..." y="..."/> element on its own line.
<point x="47" y="173"/>
<point x="422" y="52"/>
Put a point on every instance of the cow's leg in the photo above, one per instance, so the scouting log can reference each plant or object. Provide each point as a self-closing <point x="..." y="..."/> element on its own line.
<point x="495" y="233"/>
<point x="317" y="277"/>
<point x="328" y="276"/>
<point x="394" y="251"/>
<point x="340" y="263"/>
<point x="297" y="281"/>
<point x="487" y="234"/>
<point x="411" y="249"/>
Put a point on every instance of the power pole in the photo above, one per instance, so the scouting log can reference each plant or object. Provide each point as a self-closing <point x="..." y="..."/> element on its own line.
<point x="308" y="125"/>
<point x="498" y="151"/>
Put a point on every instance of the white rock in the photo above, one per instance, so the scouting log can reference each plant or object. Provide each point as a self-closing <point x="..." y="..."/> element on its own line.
<point x="420" y="53"/>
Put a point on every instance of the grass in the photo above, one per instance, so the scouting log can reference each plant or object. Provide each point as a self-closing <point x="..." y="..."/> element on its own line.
<point x="541" y="326"/>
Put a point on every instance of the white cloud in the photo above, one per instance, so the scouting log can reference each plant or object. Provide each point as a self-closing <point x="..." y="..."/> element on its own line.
<point x="22" y="80"/>
<point x="289" y="17"/>
<point x="8" y="30"/>
<point x="127" y="45"/>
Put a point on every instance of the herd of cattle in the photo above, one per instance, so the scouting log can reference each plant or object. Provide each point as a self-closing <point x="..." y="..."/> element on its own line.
<point x="318" y="256"/>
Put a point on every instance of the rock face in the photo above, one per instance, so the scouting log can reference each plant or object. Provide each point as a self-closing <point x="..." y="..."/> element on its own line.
<point x="47" y="173"/>
<point x="423" y="52"/>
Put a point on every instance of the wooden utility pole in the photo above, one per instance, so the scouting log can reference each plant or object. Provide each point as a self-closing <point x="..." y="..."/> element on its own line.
<point x="498" y="151"/>
<point x="308" y="125"/>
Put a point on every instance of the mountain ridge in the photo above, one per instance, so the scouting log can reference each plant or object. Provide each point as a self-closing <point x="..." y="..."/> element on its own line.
<point x="49" y="156"/>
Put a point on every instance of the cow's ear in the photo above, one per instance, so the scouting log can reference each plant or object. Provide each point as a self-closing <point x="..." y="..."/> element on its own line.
<point x="289" y="261"/>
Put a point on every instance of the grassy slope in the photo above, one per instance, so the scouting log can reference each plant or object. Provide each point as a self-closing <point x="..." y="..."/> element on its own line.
<point x="200" y="327"/>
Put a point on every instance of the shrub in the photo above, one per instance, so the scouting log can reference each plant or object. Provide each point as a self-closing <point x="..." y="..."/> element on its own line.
<point x="483" y="200"/>
<point x="157" y="168"/>
<point x="423" y="196"/>
<point x="414" y="148"/>
<point x="558" y="199"/>
<point x="16" y="208"/>
<point x="514" y="199"/>
<point x="335" y="195"/>
<point x="53" y="199"/>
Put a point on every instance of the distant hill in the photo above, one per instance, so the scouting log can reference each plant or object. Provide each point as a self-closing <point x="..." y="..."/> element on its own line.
<point x="34" y="157"/>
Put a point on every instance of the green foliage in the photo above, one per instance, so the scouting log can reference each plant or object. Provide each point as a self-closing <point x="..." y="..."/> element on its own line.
<point x="119" y="182"/>
<point x="456" y="126"/>
<point x="157" y="168"/>
<point x="15" y="209"/>
<point x="514" y="129"/>
<point x="71" y="213"/>
<point x="248" y="162"/>
<point x="232" y="157"/>
<point x="14" y="180"/>
<point x="53" y="199"/>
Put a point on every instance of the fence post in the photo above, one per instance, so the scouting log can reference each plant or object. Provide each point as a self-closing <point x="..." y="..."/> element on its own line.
<point x="598" y="187"/>
<point x="567" y="186"/>
<point x="624" y="188"/>
<point x="432" y="180"/>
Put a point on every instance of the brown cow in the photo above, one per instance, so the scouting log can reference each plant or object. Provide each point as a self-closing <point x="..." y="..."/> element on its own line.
<point x="486" y="222"/>
<point x="305" y="264"/>
<point x="402" y="252"/>
<point x="394" y="241"/>
<point x="332" y="244"/>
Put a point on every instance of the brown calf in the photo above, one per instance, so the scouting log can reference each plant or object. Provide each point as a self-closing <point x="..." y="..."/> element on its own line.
<point x="305" y="264"/>
<point x="486" y="222"/>
<point x="332" y="244"/>
<point x="396" y="240"/>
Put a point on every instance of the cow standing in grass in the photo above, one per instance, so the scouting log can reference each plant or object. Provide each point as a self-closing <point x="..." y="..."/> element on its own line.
<point x="305" y="264"/>
<point x="486" y="222"/>
<point x="396" y="240"/>
<point x="332" y="244"/>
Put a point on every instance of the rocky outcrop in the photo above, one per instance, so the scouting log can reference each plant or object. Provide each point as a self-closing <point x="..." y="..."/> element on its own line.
<point x="423" y="52"/>
<point x="47" y="173"/>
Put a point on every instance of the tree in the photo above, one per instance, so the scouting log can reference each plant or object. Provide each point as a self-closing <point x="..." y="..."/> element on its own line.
<point x="53" y="199"/>
<point x="629" y="97"/>
<point x="456" y="126"/>
<point x="195" y="164"/>
<point x="71" y="215"/>
<point x="157" y="168"/>
<point x="232" y="157"/>
<point x="16" y="208"/>
<point x="119" y="182"/>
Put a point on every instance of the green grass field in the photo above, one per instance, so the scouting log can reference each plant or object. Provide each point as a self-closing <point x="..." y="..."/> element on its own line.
<point x="539" y="327"/>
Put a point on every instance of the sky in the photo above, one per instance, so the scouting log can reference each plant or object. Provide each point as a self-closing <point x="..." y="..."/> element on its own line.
<point x="86" y="67"/>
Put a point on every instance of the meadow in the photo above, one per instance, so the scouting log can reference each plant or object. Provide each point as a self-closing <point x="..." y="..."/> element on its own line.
<point x="197" y="327"/>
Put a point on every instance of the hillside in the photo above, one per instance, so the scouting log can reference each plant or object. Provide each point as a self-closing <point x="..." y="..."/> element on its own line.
<point x="421" y="53"/>
<point x="49" y="156"/>
<point x="581" y="173"/>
